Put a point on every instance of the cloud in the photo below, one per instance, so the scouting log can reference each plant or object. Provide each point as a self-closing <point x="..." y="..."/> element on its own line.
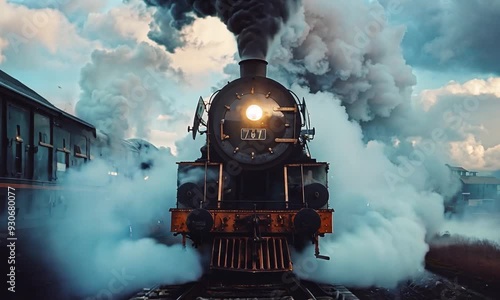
<point x="451" y="34"/>
<point x="75" y="10"/>
<point x="43" y="49"/>
<point x="466" y="113"/>
<point x="473" y="155"/>
<point x="123" y="25"/>
<point x="3" y="44"/>
<point x="474" y="87"/>
<point x="120" y="25"/>
<point x="164" y="32"/>
<point x="123" y="88"/>
<point x="24" y="31"/>
<point x="211" y="43"/>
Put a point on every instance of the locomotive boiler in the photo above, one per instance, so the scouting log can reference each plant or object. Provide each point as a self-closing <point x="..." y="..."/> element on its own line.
<point x="255" y="192"/>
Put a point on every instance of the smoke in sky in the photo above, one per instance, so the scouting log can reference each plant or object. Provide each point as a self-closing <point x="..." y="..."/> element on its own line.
<point x="254" y="23"/>
<point x="349" y="48"/>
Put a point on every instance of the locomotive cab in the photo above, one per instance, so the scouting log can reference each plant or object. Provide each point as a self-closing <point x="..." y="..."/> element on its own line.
<point x="255" y="190"/>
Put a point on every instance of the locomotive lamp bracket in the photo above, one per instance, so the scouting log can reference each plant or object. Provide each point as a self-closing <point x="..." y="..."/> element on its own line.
<point x="190" y="129"/>
<point x="308" y="134"/>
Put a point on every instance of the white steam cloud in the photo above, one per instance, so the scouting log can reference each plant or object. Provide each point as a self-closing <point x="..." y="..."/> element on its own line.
<point x="380" y="226"/>
<point x="93" y="247"/>
<point x="474" y="227"/>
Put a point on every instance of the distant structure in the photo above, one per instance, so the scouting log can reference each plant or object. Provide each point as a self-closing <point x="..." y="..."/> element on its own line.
<point x="478" y="193"/>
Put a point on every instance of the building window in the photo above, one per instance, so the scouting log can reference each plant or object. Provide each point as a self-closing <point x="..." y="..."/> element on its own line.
<point x="62" y="157"/>
<point x="80" y="146"/>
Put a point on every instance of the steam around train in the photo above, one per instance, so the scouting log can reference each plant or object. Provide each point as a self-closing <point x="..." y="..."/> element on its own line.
<point x="255" y="191"/>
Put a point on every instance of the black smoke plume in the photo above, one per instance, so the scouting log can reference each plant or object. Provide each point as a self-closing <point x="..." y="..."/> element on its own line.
<point x="254" y="22"/>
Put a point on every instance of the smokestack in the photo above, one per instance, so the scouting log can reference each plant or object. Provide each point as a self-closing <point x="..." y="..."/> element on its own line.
<point x="253" y="67"/>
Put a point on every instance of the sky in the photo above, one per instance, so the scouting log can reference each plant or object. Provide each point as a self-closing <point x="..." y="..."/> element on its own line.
<point x="57" y="46"/>
<point x="396" y="89"/>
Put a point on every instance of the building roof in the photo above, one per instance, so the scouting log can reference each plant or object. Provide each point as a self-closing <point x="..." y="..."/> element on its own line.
<point x="480" y="180"/>
<point x="457" y="168"/>
<point x="17" y="87"/>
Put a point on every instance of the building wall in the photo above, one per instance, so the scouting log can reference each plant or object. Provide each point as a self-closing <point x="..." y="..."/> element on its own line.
<point x="480" y="191"/>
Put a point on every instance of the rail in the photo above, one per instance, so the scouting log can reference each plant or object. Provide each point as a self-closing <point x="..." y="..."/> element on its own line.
<point x="286" y="286"/>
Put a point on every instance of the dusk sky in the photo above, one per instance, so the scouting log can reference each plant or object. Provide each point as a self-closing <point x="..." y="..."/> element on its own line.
<point x="102" y="52"/>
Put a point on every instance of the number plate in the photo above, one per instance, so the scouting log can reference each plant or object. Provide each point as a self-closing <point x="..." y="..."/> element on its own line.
<point x="253" y="134"/>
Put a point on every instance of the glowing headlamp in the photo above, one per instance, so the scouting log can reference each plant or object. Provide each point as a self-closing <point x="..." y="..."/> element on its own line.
<point x="254" y="112"/>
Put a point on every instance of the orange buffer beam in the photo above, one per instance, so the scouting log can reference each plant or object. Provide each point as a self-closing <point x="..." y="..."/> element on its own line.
<point x="237" y="221"/>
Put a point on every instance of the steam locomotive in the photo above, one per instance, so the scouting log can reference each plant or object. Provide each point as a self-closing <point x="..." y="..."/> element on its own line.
<point x="255" y="192"/>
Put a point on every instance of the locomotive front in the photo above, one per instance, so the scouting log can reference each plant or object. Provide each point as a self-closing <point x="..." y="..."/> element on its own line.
<point x="255" y="191"/>
<point x="255" y="121"/>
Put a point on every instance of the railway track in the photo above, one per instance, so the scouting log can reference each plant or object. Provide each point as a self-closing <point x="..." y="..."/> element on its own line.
<point x="286" y="287"/>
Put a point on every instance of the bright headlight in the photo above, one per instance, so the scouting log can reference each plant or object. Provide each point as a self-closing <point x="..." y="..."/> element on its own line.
<point x="254" y="112"/>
